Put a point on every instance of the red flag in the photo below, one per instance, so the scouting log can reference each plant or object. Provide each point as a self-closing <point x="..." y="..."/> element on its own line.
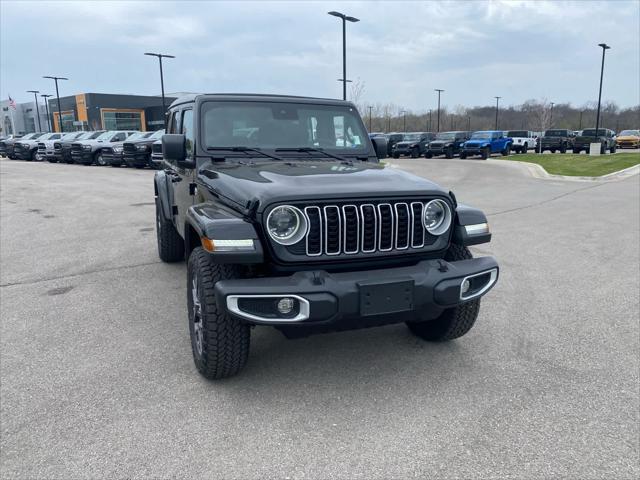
<point x="12" y="102"/>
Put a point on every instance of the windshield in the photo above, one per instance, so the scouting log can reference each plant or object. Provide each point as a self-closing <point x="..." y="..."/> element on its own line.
<point x="480" y="135"/>
<point x="629" y="133"/>
<point x="138" y="135"/>
<point x="517" y="133"/>
<point x="157" y="135"/>
<point x="592" y="132"/>
<point x="446" y="136"/>
<point x="92" y="135"/>
<point x="555" y="133"/>
<point x="105" y="136"/>
<point x="411" y="137"/>
<point x="281" y="125"/>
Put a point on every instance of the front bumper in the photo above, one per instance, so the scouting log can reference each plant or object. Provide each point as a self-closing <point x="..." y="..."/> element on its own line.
<point x="628" y="143"/>
<point x="113" y="158"/>
<point x="475" y="150"/>
<point x="363" y="298"/>
<point x="22" y="154"/>
<point x="156" y="160"/>
<point x="82" y="156"/>
<point x="136" y="159"/>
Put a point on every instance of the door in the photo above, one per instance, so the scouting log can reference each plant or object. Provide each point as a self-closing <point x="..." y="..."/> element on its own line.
<point x="184" y="178"/>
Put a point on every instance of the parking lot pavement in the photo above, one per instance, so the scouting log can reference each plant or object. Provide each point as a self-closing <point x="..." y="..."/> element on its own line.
<point x="97" y="380"/>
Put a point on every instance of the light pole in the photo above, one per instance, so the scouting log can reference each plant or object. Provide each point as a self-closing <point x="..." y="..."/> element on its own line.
<point x="605" y="47"/>
<point x="468" y="123"/>
<point x="497" y="102"/>
<point x="160" y="57"/>
<point x="580" y="124"/>
<point x="551" y="116"/>
<point x="46" y="106"/>
<point x="35" y="96"/>
<point x="344" y="19"/>
<point x="370" y="108"/>
<point x="404" y="120"/>
<point x="430" y="120"/>
<point x="58" y="97"/>
<point x="438" y="121"/>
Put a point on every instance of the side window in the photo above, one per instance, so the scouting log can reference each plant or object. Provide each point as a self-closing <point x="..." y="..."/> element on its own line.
<point x="187" y="130"/>
<point x="174" y="118"/>
<point x="120" y="137"/>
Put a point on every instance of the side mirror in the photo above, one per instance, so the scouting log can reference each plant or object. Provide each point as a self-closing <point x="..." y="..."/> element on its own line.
<point x="174" y="149"/>
<point x="380" y="146"/>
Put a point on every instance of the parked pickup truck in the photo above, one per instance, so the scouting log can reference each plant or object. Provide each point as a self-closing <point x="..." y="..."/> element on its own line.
<point x="88" y="152"/>
<point x="523" y="140"/>
<point x="605" y="137"/>
<point x="447" y="144"/>
<point x="292" y="227"/>
<point x="484" y="143"/>
<point x="7" y="146"/>
<point x="556" y="139"/>
<point x="137" y="151"/>
<point x="47" y="148"/>
<point x="28" y="149"/>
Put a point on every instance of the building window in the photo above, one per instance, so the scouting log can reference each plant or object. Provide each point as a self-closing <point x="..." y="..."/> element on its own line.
<point x="122" y="120"/>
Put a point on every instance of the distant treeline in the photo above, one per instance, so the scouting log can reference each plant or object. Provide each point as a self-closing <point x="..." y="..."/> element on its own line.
<point x="532" y="115"/>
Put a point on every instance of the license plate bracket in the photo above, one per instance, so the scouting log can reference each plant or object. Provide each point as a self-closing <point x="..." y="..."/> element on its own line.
<point x="378" y="298"/>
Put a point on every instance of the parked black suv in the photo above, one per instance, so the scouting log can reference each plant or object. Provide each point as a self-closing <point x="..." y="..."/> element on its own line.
<point x="288" y="219"/>
<point x="392" y="139"/>
<point x="137" y="151"/>
<point x="447" y="144"/>
<point x="412" y="144"/>
<point x="605" y="137"/>
<point x="556" y="139"/>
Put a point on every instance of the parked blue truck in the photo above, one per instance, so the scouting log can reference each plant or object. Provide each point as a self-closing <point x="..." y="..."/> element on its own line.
<point x="484" y="143"/>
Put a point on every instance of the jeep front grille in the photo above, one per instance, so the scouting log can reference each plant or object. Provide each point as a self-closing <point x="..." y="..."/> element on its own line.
<point x="364" y="228"/>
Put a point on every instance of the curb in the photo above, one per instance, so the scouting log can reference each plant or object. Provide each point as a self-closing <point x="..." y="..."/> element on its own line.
<point x="538" y="171"/>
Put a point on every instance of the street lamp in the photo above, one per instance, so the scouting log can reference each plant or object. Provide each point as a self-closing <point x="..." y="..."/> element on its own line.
<point x="345" y="19"/>
<point x="580" y="125"/>
<point x="497" y="100"/>
<point x="35" y="96"/>
<point x="468" y="123"/>
<point x="438" y="122"/>
<point x="160" y="57"/>
<point x="58" y="97"/>
<point x="551" y="117"/>
<point x="605" y="47"/>
<point x="46" y="106"/>
<point x="370" y="108"/>
<point x="404" y="120"/>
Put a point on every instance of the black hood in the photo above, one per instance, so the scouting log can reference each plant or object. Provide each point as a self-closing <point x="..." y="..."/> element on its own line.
<point x="276" y="182"/>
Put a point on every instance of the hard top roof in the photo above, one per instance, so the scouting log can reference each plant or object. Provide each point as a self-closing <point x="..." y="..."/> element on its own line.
<point x="257" y="97"/>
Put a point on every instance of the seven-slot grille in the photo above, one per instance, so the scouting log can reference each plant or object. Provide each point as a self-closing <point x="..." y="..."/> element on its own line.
<point x="364" y="228"/>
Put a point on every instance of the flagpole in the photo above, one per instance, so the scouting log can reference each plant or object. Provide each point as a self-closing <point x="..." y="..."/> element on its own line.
<point x="13" y="122"/>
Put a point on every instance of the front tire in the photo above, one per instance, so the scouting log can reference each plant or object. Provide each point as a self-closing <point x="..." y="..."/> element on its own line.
<point x="100" y="160"/>
<point x="170" y="243"/>
<point x="449" y="153"/>
<point x="463" y="155"/>
<point x="485" y="153"/>
<point x="428" y="155"/>
<point x="219" y="342"/>
<point x="396" y="155"/>
<point x="453" y="322"/>
<point x="415" y="153"/>
<point x="612" y="149"/>
<point x="506" y="151"/>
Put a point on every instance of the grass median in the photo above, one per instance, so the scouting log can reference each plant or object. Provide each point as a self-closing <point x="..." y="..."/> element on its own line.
<point x="581" y="165"/>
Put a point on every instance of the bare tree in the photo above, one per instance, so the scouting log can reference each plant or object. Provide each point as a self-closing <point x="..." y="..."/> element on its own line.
<point x="356" y="92"/>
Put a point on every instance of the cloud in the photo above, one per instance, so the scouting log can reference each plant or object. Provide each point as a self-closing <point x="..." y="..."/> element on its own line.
<point x="401" y="50"/>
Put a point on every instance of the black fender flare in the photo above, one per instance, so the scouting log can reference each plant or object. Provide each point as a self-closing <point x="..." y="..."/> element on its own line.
<point x="466" y="215"/>
<point x="161" y="183"/>
<point x="216" y="222"/>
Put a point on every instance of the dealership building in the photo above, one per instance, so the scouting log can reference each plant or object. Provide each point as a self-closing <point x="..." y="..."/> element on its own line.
<point x="104" y="111"/>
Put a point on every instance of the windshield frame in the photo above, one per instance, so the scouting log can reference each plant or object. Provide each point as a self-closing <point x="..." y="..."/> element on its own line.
<point x="482" y="135"/>
<point x="203" y="106"/>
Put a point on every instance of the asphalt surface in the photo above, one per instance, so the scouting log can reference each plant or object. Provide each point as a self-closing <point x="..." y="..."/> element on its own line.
<point x="97" y="380"/>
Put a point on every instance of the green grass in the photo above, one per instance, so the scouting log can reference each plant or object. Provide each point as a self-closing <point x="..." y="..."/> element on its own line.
<point x="579" y="164"/>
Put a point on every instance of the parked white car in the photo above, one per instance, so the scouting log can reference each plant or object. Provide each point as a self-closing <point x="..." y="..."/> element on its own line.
<point x="523" y="140"/>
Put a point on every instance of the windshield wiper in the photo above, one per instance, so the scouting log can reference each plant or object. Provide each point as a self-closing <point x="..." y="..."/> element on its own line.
<point x="310" y="150"/>
<point x="246" y="150"/>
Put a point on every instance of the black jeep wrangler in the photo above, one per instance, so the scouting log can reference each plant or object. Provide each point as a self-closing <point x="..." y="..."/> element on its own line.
<point x="557" y="139"/>
<point x="287" y="218"/>
<point x="447" y="144"/>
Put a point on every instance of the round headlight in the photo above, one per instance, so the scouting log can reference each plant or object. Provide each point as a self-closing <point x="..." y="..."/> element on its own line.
<point x="286" y="225"/>
<point x="437" y="217"/>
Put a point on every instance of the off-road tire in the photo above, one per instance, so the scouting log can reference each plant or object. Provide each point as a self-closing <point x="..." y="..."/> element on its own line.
<point x="506" y="151"/>
<point x="453" y="322"/>
<point x="463" y="155"/>
<point x="486" y="153"/>
<point x="449" y="153"/>
<point x="396" y="155"/>
<point x="222" y="348"/>
<point x="576" y="151"/>
<point x="525" y="148"/>
<point x="563" y="149"/>
<point x="415" y="153"/>
<point x="603" y="149"/>
<point x="612" y="149"/>
<point x="170" y="243"/>
<point x="428" y="155"/>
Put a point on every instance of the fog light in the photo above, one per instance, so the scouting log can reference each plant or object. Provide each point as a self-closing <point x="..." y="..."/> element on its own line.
<point x="466" y="285"/>
<point x="285" y="305"/>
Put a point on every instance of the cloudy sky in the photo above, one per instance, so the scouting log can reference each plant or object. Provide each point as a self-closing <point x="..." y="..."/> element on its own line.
<point x="401" y="51"/>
